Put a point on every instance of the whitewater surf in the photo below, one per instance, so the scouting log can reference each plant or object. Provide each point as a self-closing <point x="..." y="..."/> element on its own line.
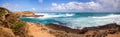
<point x="75" y="20"/>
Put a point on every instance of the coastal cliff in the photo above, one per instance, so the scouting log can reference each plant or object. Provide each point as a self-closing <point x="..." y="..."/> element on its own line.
<point x="25" y="13"/>
<point x="11" y="26"/>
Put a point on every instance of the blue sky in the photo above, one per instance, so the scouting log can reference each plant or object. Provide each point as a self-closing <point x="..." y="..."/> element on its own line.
<point x="62" y="5"/>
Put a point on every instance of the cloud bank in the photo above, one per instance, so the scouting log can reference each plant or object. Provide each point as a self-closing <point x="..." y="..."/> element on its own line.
<point x="40" y="1"/>
<point x="93" y="6"/>
<point x="16" y="7"/>
<point x="13" y="7"/>
<point x="76" y="6"/>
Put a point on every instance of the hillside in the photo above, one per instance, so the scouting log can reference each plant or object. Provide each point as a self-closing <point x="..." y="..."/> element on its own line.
<point x="11" y="26"/>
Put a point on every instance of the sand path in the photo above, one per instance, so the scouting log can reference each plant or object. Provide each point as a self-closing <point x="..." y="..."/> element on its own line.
<point x="38" y="31"/>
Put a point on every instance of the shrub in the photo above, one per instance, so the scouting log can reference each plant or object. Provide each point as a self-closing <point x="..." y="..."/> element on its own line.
<point x="11" y="18"/>
<point x="16" y="26"/>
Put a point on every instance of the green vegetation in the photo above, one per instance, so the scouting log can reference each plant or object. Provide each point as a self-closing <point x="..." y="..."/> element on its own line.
<point x="16" y="26"/>
<point x="9" y="20"/>
<point x="3" y="11"/>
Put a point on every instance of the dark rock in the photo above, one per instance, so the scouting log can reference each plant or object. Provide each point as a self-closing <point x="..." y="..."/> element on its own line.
<point x="119" y="29"/>
<point x="6" y="24"/>
<point x="112" y="31"/>
<point x="38" y="15"/>
<point x="87" y="35"/>
<point x="66" y="29"/>
<point x="83" y="31"/>
<point x="107" y="26"/>
<point x="43" y="29"/>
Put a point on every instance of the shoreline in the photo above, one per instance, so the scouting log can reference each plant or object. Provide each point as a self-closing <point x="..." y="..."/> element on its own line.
<point x="10" y="24"/>
<point x="107" y="26"/>
<point x="105" y="30"/>
<point x="94" y="31"/>
<point x="91" y="21"/>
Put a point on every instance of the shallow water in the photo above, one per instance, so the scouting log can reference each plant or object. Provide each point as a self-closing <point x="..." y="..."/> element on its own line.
<point x="75" y="20"/>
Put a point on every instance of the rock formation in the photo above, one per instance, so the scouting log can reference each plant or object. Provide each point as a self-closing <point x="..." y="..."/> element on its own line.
<point x="25" y="13"/>
<point x="3" y="16"/>
<point x="98" y="31"/>
<point x="8" y="23"/>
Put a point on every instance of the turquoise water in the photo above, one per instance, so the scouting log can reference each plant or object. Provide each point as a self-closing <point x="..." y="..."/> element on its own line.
<point x="75" y="20"/>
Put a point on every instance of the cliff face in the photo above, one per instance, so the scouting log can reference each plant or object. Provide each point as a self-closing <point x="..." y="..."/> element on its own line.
<point x="25" y="13"/>
<point x="3" y="12"/>
<point x="4" y="26"/>
<point x="7" y="17"/>
<point x="9" y="23"/>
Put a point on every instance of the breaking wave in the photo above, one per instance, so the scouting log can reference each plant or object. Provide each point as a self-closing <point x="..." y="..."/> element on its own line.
<point x="74" y="20"/>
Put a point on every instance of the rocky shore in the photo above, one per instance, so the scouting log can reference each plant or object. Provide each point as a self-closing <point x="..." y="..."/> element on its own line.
<point x="27" y="14"/>
<point x="107" y="30"/>
<point x="11" y="26"/>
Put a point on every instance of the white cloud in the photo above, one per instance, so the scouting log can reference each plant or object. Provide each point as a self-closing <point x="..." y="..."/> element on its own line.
<point x="93" y="6"/>
<point x="12" y="7"/>
<point x="98" y="6"/>
<point x="16" y="7"/>
<point x="33" y="9"/>
<point x="76" y="6"/>
<point x="110" y="5"/>
<point x="40" y="1"/>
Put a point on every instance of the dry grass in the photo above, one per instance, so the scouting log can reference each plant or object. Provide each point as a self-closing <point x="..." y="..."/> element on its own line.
<point x="5" y="32"/>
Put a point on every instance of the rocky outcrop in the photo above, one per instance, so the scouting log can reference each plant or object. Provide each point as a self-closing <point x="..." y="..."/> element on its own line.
<point x="7" y="17"/>
<point x="3" y="12"/>
<point x="5" y="30"/>
<point x="25" y="13"/>
<point x="98" y="31"/>
<point x="107" y="26"/>
<point x="103" y="31"/>
<point x="9" y="23"/>
<point x="66" y="29"/>
<point x="28" y="13"/>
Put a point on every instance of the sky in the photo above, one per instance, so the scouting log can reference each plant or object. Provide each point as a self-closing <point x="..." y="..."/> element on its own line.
<point x="62" y="5"/>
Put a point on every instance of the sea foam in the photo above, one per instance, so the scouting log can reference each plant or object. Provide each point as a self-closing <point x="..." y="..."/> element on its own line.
<point x="73" y="20"/>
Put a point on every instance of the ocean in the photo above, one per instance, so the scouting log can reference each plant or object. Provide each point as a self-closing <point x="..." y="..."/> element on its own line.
<point x="75" y="19"/>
